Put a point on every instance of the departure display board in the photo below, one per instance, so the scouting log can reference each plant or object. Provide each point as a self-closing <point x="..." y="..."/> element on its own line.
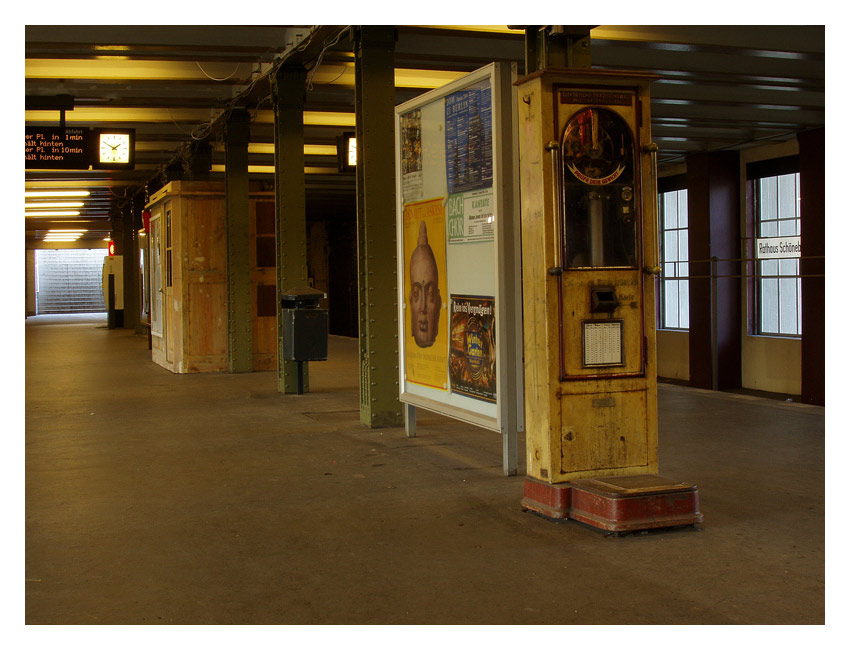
<point x="58" y="148"/>
<point x="54" y="147"/>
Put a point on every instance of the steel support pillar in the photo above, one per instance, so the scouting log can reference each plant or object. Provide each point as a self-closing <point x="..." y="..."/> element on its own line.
<point x="239" y="328"/>
<point x="556" y="46"/>
<point x="812" y="264"/>
<point x="290" y="207"/>
<point x="714" y="236"/>
<point x="119" y="227"/>
<point x="374" y="96"/>
<point x="130" y="237"/>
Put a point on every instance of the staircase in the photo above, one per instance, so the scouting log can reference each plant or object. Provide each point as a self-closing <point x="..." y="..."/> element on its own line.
<point x="69" y="281"/>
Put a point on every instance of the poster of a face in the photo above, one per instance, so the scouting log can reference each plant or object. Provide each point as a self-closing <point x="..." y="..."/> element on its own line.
<point x="426" y="336"/>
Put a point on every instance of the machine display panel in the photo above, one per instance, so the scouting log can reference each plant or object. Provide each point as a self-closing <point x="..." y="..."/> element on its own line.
<point x="598" y="190"/>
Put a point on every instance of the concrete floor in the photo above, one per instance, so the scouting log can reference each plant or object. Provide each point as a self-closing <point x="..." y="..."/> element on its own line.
<point x="211" y="499"/>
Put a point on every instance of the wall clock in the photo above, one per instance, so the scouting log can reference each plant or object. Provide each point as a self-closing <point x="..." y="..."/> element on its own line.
<point x="115" y="148"/>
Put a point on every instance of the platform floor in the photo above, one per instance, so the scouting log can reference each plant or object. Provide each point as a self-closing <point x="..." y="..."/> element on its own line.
<point x="154" y="498"/>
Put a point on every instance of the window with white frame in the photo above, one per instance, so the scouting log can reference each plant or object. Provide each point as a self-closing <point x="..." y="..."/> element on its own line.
<point x="673" y="241"/>
<point x="777" y="211"/>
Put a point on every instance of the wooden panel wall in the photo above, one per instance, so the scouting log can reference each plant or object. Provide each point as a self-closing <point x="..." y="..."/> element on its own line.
<point x="205" y="311"/>
<point x="263" y="279"/>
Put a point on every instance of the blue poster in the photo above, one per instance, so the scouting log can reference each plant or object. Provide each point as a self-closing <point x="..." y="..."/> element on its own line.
<point x="469" y="139"/>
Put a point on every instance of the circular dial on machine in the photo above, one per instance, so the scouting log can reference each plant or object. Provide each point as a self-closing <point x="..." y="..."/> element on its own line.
<point x="597" y="146"/>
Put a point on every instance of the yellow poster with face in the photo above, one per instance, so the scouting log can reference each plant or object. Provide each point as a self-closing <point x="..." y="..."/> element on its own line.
<point x="425" y="294"/>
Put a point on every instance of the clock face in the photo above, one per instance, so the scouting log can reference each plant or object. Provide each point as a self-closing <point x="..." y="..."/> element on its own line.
<point x="115" y="147"/>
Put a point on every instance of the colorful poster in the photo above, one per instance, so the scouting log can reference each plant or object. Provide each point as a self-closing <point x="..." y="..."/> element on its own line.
<point x="470" y="217"/>
<point x="411" y="156"/>
<point x="424" y="282"/>
<point x="472" y="362"/>
<point x="469" y="140"/>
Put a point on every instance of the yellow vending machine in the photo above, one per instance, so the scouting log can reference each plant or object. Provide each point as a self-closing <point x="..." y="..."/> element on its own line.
<point x="590" y="257"/>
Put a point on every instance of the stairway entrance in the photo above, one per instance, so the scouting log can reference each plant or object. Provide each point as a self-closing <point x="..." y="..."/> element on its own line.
<point x="69" y="281"/>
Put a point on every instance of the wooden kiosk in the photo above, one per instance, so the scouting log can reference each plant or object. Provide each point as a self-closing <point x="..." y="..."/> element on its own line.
<point x="188" y="277"/>
<point x="589" y="239"/>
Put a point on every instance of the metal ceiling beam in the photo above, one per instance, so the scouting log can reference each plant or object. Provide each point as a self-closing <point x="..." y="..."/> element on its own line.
<point x="783" y="38"/>
<point x="721" y="86"/>
<point x="221" y="37"/>
<point x="742" y="66"/>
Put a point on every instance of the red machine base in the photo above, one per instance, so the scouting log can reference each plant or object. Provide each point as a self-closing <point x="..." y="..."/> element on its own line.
<point x="616" y="503"/>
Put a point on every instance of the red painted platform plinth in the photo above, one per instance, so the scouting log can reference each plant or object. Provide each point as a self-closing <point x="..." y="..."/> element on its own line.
<point x="548" y="499"/>
<point x="617" y="503"/>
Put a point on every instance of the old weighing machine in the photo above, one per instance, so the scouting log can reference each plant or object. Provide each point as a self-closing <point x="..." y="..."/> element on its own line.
<point x="589" y="239"/>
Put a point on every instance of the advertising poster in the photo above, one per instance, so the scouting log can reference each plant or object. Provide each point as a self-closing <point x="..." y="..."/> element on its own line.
<point x="472" y="363"/>
<point x="469" y="140"/>
<point x="471" y="217"/>
<point x="424" y="282"/>
<point x="411" y="155"/>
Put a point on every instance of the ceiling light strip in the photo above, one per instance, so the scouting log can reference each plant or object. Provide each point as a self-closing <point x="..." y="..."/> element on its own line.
<point x="53" y="205"/>
<point x="54" y="194"/>
<point x="53" y="213"/>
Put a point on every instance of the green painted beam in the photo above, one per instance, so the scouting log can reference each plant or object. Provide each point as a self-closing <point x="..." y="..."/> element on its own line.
<point x="239" y="327"/>
<point x="376" y="227"/>
<point x="290" y="205"/>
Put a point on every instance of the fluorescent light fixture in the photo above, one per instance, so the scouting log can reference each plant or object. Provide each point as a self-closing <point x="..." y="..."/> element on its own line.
<point x="269" y="169"/>
<point x="58" y="204"/>
<point x="64" y="235"/>
<point x="54" y="194"/>
<point x="268" y="148"/>
<point x="346" y="145"/>
<point x="53" y="213"/>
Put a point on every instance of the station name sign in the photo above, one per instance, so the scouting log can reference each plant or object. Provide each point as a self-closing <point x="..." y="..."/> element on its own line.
<point x="769" y="248"/>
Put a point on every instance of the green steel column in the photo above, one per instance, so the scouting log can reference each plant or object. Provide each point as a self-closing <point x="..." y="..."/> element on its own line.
<point x="376" y="228"/>
<point x="556" y="46"/>
<point x="132" y="304"/>
<point x="239" y="331"/>
<point x="290" y="205"/>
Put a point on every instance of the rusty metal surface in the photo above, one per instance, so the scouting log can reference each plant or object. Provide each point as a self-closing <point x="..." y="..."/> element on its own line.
<point x="661" y="504"/>
<point x="550" y="500"/>
<point x="614" y="486"/>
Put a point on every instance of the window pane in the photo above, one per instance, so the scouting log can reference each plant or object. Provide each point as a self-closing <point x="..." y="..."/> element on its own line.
<point x="787" y="196"/>
<point x="767" y="198"/>
<point x="671" y="217"/>
<point x="671" y="304"/>
<point x="788" y="306"/>
<point x="673" y="238"/>
<point x="770" y="267"/>
<point x="670" y="246"/>
<point x="683" y="208"/>
<point x="769" y="228"/>
<point x="778" y="209"/>
<point x="787" y="267"/>
<point x="788" y="227"/>
<point x="769" y="307"/>
<point x="683" y="305"/>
